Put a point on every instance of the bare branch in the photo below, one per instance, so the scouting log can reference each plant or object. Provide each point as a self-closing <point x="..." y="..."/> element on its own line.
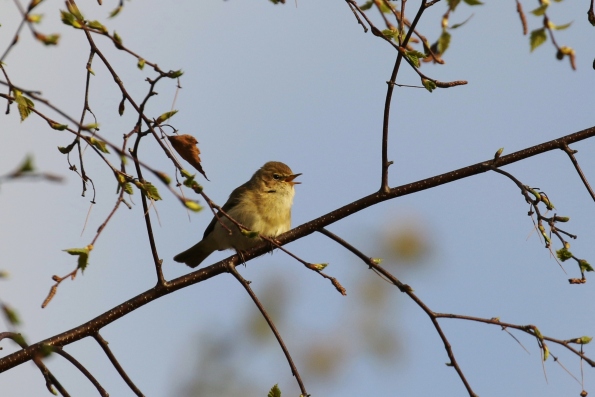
<point x="232" y="269"/>
<point x="50" y="379"/>
<point x="91" y="327"/>
<point x="80" y="367"/>
<point x="409" y="291"/>
<point x="104" y="345"/>
<point x="571" y="154"/>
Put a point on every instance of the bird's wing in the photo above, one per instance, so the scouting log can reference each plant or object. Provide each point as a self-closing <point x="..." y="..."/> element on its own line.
<point x="232" y="201"/>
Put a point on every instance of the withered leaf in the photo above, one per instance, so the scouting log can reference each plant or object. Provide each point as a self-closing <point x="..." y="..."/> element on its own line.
<point x="186" y="147"/>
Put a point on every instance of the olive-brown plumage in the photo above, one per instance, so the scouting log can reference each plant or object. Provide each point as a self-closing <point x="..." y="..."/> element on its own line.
<point x="263" y="205"/>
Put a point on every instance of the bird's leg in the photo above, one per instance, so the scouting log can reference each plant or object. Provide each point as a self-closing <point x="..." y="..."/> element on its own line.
<point x="241" y="255"/>
<point x="273" y="243"/>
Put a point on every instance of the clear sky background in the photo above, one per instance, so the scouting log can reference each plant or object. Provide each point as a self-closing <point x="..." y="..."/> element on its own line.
<point x="306" y="86"/>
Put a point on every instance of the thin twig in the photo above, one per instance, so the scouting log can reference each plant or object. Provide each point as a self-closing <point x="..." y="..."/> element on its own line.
<point x="104" y="345"/>
<point x="156" y="260"/>
<point x="94" y="325"/>
<point x="519" y="9"/>
<point x="409" y="291"/>
<point x="119" y="201"/>
<point x="231" y="269"/>
<point x="516" y="339"/>
<point x="571" y="154"/>
<point x="50" y="379"/>
<point x="129" y="98"/>
<point x="389" y="93"/>
<point x="80" y="367"/>
<point x="557" y="360"/>
<point x="83" y="174"/>
<point x="528" y="329"/>
<point x="356" y="16"/>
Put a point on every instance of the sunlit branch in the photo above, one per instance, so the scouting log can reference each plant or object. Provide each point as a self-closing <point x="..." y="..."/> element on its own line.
<point x="80" y="367"/>
<point x="231" y="268"/>
<point x="94" y="325"/>
<point x="104" y="345"/>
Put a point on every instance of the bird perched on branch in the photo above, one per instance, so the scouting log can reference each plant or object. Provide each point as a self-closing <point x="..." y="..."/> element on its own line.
<point x="263" y="205"/>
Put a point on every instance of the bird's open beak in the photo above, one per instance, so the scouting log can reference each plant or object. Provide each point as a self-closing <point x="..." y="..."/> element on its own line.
<point x="290" y="179"/>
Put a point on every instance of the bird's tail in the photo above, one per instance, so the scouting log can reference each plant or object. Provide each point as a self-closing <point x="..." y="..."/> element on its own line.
<point x="194" y="255"/>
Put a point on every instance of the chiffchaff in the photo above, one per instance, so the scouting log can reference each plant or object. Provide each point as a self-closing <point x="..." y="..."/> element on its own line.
<point x="263" y="205"/>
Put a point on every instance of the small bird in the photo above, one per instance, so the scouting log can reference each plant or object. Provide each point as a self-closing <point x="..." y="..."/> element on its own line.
<point x="263" y="205"/>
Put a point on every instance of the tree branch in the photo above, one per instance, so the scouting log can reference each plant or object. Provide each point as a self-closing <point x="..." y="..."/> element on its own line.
<point x="104" y="345"/>
<point x="80" y="367"/>
<point x="231" y="268"/>
<point x="93" y="326"/>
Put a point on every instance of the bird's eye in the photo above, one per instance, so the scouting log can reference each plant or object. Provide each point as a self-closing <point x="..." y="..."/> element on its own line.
<point x="276" y="176"/>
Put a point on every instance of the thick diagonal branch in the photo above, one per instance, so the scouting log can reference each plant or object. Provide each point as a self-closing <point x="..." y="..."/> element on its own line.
<point x="93" y="326"/>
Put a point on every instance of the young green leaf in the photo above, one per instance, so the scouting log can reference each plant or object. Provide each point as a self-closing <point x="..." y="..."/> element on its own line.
<point x="163" y="177"/>
<point x="51" y="39"/>
<point x="117" y="41"/>
<point x="452" y="4"/>
<point x="34" y="18"/>
<point x="11" y="316"/>
<point x="319" y="266"/>
<point x="149" y="189"/>
<point x="389" y="34"/>
<point x="100" y="145"/>
<point x="539" y="11"/>
<point x="141" y="63"/>
<point x="547" y="201"/>
<point x="74" y="10"/>
<point x="537" y="38"/>
<point x="473" y="2"/>
<point x="57" y="126"/>
<point x="585" y="339"/>
<point x="24" y="104"/>
<point x="98" y="26"/>
<point x="560" y="27"/>
<point x="249" y="233"/>
<point x="275" y="391"/>
<point x="165" y="116"/>
<point x="89" y="127"/>
<point x="546" y="352"/>
<point x="67" y="18"/>
<point x="414" y="57"/>
<point x="115" y="12"/>
<point x="173" y="74"/>
<point x="83" y="256"/>
<point x="443" y="41"/>
<point x="384" y="8"/>
<point x="67" y="149"/>
<point x="26" y="165"/>
<point x="192" y="205"/>
<point x="458" y="25"/>
<point x="367" y="5"/>
<point x="428" y="84"/>
<point x="585" y="266"/>
<point x="563" y="254"/>
<point x="537" y="332"/>
<point x="127" y="187"/>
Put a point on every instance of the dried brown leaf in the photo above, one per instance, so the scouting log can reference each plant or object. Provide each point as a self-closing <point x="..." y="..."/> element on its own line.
<point x="186" y="147"/>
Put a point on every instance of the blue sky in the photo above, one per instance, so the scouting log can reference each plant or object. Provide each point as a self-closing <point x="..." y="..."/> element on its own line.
<point x="305" y="85"/>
